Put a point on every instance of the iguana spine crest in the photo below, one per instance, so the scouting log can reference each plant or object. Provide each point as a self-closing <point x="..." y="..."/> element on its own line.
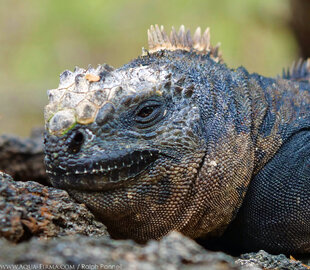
<point x="299" y="71"/>
<point x="159" y="40"/>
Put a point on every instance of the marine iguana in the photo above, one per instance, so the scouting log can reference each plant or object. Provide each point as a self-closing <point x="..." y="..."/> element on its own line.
<point x="175" y="140"/>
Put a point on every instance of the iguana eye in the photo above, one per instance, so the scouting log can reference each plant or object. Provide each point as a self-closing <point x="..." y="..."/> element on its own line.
<point x="148" y="113"/>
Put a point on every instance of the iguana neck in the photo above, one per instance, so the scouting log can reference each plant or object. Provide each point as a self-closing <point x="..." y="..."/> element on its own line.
<point x="274" y="115"/>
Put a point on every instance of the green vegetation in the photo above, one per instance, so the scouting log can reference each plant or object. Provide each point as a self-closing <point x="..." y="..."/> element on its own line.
<point x="40" y="39"/>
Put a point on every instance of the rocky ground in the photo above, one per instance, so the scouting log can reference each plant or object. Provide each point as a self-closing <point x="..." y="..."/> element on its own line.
<point x="42" y="227"/>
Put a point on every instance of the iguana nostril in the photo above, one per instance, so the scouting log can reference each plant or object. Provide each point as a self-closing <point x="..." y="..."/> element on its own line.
<point x="76" y="141"/>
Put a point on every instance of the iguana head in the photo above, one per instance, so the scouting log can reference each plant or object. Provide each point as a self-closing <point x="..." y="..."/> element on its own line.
<point x="129" y="142"/>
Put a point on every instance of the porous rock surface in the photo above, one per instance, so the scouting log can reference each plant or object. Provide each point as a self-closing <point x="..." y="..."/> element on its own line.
<point x="30" y="209"/>
<point x="173" y="252"/>
<point x="267" y="261"/>
<point x="23" y="158"/>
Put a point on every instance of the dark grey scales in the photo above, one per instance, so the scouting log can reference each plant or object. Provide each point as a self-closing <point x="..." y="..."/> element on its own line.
<point x="175" y="140"/>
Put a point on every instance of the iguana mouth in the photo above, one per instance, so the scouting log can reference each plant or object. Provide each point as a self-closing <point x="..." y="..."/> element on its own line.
<point x="104" y="170"/>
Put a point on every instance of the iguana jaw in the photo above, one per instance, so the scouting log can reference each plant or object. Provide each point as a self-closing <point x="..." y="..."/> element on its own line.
<point x="155" y="202"/>
<point x="102" y="171"/>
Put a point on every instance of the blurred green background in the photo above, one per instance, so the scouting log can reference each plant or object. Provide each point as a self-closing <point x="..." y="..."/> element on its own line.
<point x="40" y="39"/>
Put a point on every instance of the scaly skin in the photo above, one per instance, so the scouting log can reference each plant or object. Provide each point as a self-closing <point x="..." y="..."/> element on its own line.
<point x="173" y="141"/>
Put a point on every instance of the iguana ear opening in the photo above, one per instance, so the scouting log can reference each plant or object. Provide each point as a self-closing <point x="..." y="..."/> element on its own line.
<point x="200" y="43"/>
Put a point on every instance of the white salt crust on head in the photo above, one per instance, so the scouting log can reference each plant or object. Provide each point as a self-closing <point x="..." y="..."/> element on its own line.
<point x="82" y="93"/>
